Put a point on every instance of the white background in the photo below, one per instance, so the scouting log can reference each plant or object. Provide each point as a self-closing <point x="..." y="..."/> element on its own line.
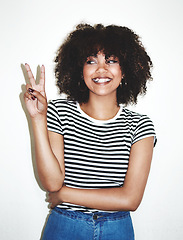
<point x="31" y="31"/>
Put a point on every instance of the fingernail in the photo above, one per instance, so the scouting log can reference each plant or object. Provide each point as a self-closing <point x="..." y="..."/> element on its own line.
<point x="33" y="98"/>
<point x="31" y="90"/>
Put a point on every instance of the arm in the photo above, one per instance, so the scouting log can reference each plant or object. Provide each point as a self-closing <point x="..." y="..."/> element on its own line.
<point x="123" y="198"/>
<point x="48" y="145"/>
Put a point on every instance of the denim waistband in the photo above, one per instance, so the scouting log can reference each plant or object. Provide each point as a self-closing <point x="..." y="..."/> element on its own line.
<point x="97" y="216"/>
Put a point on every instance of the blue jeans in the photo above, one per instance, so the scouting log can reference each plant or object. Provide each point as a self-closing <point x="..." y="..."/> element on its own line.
<point x="72" y="225"/>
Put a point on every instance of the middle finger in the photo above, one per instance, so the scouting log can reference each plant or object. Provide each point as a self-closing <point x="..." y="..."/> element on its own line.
<point x="30" y="75"/>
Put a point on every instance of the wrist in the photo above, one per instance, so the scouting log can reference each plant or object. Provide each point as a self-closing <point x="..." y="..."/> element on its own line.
<point x="64" y="194"/>
<point x="40" y="120"/>
<point x="39" y="125"/>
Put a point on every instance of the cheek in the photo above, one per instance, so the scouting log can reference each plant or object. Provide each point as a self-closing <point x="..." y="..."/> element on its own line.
<point x="86" y="76"/>
<point x="88" y="72"/>
<point x="87" y="68"/>
<point x="118" y="73"/>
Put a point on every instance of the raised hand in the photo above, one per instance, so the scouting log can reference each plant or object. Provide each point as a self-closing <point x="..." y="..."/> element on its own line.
<point x="35" y="96"/>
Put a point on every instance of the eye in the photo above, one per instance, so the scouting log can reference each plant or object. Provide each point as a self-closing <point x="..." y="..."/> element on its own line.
<point x="90" y="62"/>
<point x="111" y="61"/>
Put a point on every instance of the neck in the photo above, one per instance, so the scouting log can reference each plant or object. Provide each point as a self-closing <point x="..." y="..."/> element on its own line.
<point x="101" y="108"/>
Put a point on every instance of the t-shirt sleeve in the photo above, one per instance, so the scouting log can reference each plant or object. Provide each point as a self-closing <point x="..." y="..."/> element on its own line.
<point x="144" y="128"/>
<point x="53" y="119"/>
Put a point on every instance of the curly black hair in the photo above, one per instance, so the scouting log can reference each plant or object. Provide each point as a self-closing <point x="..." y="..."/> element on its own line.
<point x="118" y="41"/>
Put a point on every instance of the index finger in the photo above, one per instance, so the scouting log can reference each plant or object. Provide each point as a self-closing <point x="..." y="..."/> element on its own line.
<point x="42" y="77"/>
<point x="30" y="75"/>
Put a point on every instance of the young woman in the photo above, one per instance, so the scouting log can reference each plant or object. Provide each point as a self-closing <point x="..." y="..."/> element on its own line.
<point x="93" y="155"/>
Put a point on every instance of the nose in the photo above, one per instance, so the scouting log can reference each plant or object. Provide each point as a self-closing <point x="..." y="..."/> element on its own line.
<point x="102" y="67"/>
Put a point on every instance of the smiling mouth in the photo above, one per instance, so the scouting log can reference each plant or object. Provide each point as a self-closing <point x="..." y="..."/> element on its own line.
<point x="101" y="80"/>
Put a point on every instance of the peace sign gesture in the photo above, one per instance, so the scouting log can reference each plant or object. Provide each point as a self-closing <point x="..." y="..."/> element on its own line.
<point x="35" y="96"/>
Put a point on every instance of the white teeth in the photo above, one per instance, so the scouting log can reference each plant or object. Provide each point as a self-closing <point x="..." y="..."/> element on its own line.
<point x="101" y="80"/>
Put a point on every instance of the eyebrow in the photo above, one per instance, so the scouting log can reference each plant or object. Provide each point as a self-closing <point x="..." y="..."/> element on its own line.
<point x="93" y="55"/>
<point x="106" y="56"/>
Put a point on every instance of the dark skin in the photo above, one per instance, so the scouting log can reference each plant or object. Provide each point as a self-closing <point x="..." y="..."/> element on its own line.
<point x="102" y="105"/>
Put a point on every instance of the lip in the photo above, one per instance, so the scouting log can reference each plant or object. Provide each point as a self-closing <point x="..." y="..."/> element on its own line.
<point x="101" y="80"/>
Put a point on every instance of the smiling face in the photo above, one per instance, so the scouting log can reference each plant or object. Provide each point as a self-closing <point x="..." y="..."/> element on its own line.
<point x="102" y="75"/>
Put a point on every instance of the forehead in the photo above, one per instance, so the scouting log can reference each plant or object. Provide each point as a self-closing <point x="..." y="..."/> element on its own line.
<point x="102" y="54"/>
<point x="92" y="48"/>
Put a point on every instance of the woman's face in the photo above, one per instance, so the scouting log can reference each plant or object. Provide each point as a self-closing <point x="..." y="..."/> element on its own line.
<point x="102" y="74"/>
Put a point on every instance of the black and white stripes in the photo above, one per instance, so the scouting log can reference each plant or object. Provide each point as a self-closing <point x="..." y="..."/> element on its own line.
<point x="96" y="152"/>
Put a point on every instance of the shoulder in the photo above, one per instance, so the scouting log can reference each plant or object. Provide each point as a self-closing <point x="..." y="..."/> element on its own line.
<point x="138" y="120"/>
<point x="141" y="124"/>
<point x="133" y="116"/>
<point x="62" y="105"/>
<point x="62" y="102"/>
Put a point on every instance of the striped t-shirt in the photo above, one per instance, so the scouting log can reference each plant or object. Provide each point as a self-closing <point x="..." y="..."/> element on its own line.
<point x="96" y="152"/>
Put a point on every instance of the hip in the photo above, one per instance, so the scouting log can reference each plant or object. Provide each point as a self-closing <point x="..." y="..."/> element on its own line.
<point x="63" y="224"/>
